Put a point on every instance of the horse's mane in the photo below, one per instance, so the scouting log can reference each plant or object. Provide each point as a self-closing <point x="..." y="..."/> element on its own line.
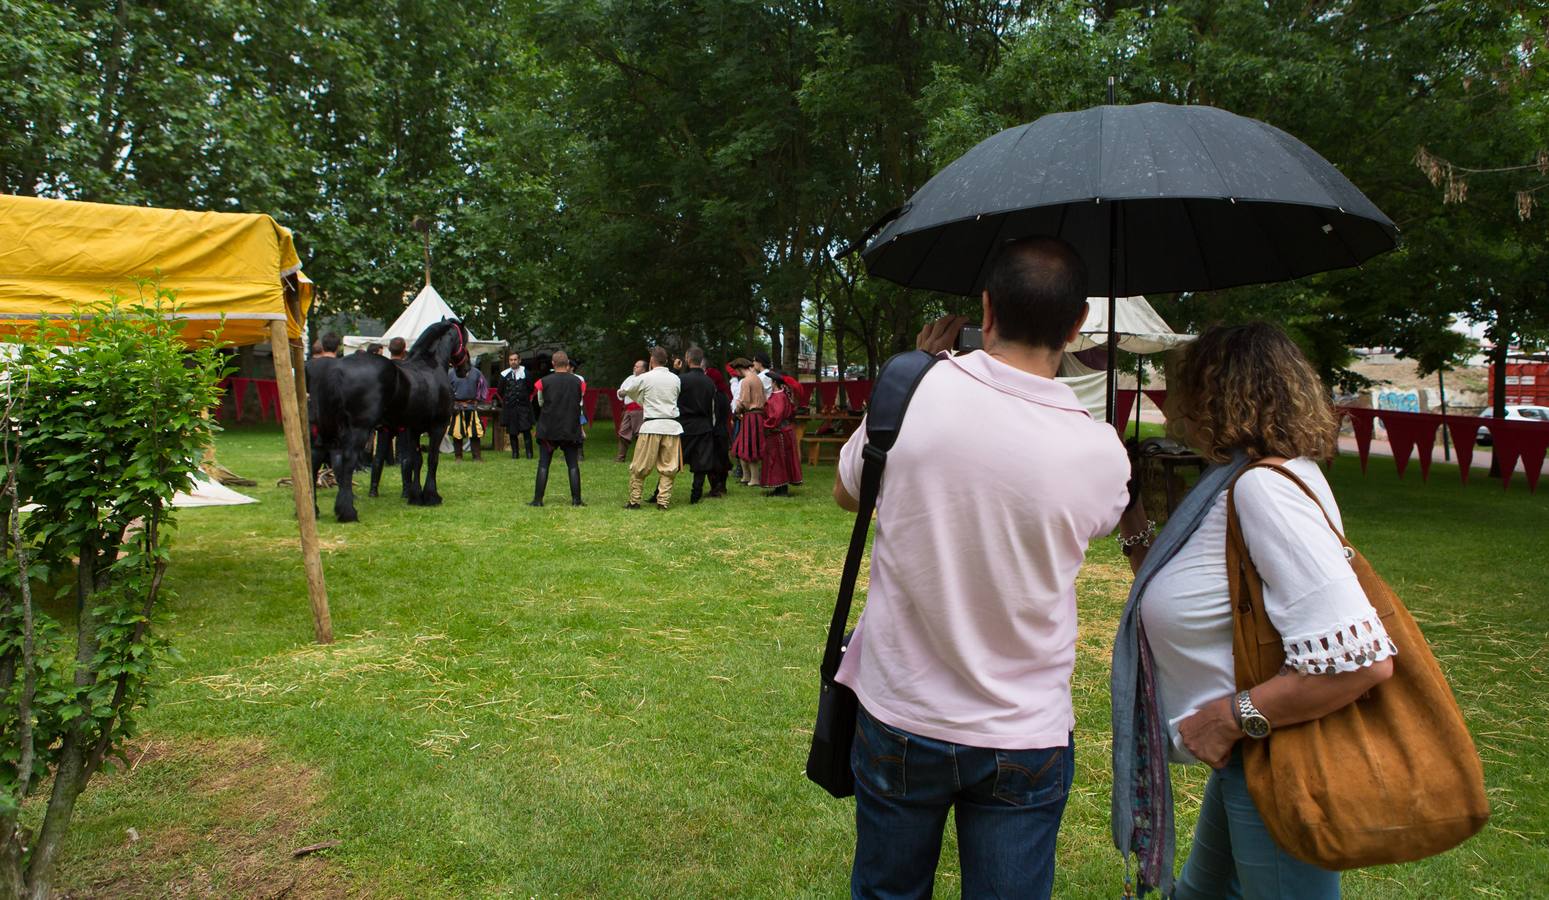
<point x="425" y="346"/>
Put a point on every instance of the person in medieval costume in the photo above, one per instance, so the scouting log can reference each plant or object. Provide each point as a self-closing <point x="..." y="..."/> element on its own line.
<point x="721" y="433"/>
<point x="782" y="461"/>
<point x="697" y="413"/>
<point x="630" y="419"/>
<point x="559" y="426"/>
<point x="468" y="390"/>
<point x="749" y="446"/>
<point x="516" y="404"/>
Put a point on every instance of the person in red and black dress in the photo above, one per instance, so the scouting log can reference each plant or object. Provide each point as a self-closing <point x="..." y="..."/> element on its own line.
<point x="782" y="463"/>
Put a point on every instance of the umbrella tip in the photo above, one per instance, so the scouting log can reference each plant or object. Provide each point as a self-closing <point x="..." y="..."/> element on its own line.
<point x="1110" y="90"/>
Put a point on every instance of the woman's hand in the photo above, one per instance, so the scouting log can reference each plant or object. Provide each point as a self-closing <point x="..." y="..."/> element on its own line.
<point x="940" y="335"/>
<point x="1211" y="733"/>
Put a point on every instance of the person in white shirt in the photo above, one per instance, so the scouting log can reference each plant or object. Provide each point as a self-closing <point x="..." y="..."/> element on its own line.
<point x="659" y="445"/>
<point x="762" y="365"/>
<point x="1239" y="395"/>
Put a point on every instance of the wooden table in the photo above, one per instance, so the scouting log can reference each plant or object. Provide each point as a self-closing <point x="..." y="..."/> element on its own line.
<point x="817" y="430"/>
<point x="1169" y="463"/>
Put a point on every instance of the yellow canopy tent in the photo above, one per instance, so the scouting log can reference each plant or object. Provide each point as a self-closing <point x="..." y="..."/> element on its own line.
<point x="236" y="276"/>
<point x="57" y="255"/>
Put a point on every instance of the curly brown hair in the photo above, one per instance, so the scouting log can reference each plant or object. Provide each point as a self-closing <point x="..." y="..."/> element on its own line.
<point x="1249" y="387"/>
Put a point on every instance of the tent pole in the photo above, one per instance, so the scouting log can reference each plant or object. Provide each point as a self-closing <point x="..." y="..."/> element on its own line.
<point x="298" y="363"/>
<point x="291" y="403"/>
<point x="1140" y="387"/>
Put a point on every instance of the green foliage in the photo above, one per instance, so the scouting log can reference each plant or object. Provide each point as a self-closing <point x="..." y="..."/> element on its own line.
<point x="605" y="174"/>
<point x="106" y="426"/>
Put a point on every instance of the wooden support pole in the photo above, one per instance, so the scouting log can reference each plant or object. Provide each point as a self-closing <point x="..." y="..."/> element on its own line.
<point x="297" y="445"/>
<point x="298" y="362"/>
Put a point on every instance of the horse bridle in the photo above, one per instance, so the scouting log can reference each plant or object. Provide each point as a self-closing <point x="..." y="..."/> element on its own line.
<point x="460" y="351"/>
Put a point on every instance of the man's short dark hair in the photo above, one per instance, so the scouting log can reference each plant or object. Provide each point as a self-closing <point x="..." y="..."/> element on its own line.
<point x="397" y="346"/>
<point x="659" y="356"/>
<point x="1037" y="290"/>
<point x="763" y="360"/>
<point x="330" y="342"/>
<point x="695" y="357"/>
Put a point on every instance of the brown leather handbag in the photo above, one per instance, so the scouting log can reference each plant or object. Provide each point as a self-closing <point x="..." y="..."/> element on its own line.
<point x="1394" y="776"/>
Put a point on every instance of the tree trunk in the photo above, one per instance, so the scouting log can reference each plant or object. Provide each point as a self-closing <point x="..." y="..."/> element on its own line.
<point x="70" y="771"/>
<point x="1502" y="338"/>
<point x="791" y="328"/>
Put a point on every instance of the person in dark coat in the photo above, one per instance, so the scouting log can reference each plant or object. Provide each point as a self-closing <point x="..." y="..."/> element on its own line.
<point x="721" y="433"/>
<point x="559" y="426"/>
<point x="516" y="404"/>
<point x="696" y="411"/>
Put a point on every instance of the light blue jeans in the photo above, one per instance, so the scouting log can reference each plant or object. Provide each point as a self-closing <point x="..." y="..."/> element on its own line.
<point x="1234" y="858"/>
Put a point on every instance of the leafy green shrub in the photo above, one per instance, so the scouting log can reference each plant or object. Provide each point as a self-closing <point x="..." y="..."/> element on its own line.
<point x="102" y="426"/>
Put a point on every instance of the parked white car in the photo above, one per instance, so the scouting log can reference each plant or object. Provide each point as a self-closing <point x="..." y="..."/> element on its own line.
<point x="1531" y="413"/>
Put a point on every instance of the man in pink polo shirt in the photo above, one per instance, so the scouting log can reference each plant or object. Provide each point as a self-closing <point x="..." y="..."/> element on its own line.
<point x="963" y="654"/>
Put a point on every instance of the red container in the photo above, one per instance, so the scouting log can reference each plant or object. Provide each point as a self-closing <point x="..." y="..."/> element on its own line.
<point x="1527" y="384"/>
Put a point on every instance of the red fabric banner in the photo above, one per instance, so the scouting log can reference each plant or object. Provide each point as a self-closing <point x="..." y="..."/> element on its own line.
<point x="268" y="397"/>
<point x="1158" y="397"/>
<point x="1408" y="431"/>
<point x="828" y="394"/>
<point x="858" y="393"/>
<point x="1361" y="422"/>
<point x="1123" y="404"/>
<point x="1464" y="433"/>
<point x="1523" y="441"/>
<point x="589" y="402"/>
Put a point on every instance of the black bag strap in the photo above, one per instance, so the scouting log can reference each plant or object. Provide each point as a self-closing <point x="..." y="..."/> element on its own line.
<point x="890" y="395"/>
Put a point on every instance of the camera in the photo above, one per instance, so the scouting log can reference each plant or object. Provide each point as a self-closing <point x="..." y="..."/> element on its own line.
<point x="971" y="337"/>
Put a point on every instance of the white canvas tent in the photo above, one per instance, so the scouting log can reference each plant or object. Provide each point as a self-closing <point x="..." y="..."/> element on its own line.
<point x="1140" y="329"/>
<point x="427" y="309"/>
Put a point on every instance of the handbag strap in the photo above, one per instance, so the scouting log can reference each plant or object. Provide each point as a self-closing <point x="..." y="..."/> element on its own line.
<point x="1234" y="527"/>
<point x="890" y="397"/>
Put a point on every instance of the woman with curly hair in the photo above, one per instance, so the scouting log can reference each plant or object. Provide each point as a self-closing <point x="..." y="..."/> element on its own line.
<point x="1239" y="395"/>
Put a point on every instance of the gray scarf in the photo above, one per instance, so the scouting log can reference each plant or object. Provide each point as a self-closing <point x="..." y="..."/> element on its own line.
<point x="1142" y="792"/>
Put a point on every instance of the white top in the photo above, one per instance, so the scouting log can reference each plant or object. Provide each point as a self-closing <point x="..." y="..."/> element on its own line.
<point x="657" y="393"/>
<point x="736" y="393"/>
<point x="998" y="481"/>
<point x="767" y="381"/>
<point x="1311" y="595"/>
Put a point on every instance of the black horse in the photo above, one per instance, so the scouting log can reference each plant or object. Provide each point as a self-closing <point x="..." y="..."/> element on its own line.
<point x="357" y="394"/>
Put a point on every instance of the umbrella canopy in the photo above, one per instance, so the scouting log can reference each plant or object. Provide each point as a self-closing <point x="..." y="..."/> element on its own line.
<point x="1155" y="198"/>
<point x="427" y="309"/>
<point x="1139" y="327"/>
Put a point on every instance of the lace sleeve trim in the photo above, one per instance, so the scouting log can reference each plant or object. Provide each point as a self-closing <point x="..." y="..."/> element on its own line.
<point x="1348" y="646"/>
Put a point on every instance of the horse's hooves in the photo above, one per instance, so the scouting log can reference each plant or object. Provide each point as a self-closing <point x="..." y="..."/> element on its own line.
<point x="348" y="515"/>
<point x="430" y="500"/>
<point x="371" y="493"/>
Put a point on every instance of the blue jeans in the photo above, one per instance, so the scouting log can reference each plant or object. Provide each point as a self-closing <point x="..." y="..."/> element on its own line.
<point x="1008" y="805"/>
<point x="1234" y="858"/>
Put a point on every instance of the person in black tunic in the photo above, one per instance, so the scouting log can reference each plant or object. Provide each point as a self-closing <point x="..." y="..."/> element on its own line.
<point x="696" y="411"/>
<point x="516" y="404"/>
<point x="559" y="426"/>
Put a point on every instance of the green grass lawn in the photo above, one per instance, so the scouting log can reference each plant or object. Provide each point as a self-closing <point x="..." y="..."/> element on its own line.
<point x="600" y="703"/>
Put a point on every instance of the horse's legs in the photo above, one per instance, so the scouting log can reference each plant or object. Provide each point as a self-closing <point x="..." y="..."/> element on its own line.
<point x="409" y="464"/>
<point x="384" y="440"/>
<point x="429" y="497"/>
<point x="319" y="459"/>
<point x="346" y="453"/>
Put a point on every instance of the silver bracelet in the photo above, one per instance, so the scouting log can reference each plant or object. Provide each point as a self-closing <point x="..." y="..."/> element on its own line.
<point x="1143" y="539"/>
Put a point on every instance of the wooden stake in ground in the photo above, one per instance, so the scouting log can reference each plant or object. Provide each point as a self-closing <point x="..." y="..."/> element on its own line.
<point x="297" y="447"/>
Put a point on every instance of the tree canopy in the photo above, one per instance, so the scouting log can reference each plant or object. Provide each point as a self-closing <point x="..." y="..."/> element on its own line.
<point x="605" y="174"/>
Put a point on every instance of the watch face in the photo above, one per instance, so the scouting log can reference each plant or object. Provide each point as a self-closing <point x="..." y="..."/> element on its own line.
<point x="1255" y="726"/>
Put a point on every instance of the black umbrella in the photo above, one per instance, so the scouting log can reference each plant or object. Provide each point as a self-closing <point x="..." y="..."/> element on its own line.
<point x="1155" y="197"/>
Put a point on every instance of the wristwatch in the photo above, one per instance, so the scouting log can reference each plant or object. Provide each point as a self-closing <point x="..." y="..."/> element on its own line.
<point x="1249" y="719"/>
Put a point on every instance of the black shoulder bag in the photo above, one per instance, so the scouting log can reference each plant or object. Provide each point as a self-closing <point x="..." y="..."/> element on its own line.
<point x="828" y="762"/>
